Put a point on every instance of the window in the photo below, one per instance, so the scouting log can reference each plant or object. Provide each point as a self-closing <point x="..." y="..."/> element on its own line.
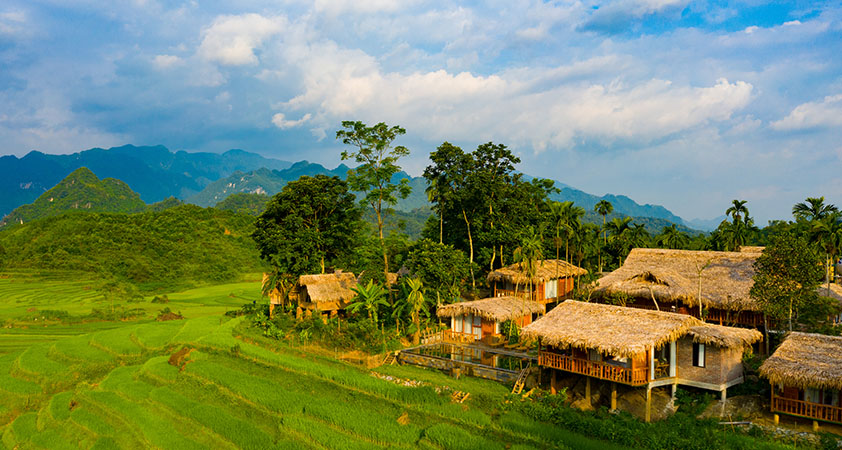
<point x="813" y="395"/>
<point x="551" y="289"/>
<point x="698" y="354"/>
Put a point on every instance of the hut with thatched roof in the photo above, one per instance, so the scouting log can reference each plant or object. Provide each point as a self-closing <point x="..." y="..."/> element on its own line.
<point x="481" y="319"/>
<point x="326" y="292"/>
<point x="806" y="376"/>
<point x="553" y="281"/>
<point x="681" y="280"/>
<point x="639" y="347"/>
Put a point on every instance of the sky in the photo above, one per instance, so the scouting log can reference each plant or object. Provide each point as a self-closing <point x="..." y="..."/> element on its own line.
<point x="673" y="102"/>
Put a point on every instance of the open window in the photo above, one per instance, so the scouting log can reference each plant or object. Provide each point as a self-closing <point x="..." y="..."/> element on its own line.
<point x="698" y="354"/>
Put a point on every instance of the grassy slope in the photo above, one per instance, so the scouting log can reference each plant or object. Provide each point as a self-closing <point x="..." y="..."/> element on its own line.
<point x="115" y="388"/>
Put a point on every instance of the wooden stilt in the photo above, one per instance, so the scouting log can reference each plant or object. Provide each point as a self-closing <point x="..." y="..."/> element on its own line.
<point x="776" y="418"/>
<point x="588" y="389"/>
<point x="613" y="396"/>
<point x="724" y="395"/>
<point x="553" y="389"/>
<point x="648" y="404"/>
<point x="815" y="425"/>
<point x="674" y="389"/>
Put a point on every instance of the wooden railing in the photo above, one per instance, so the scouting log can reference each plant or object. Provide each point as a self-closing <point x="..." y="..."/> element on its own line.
<point x="511" y="293"/>
<point x="594" y="369"/>
<point x="457" y="337"/>
<point x="749" y="318"/>
<point x="810" y="410"/>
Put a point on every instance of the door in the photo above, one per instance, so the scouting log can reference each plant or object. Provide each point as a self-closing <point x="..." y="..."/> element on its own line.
<point x="487" y="328"/>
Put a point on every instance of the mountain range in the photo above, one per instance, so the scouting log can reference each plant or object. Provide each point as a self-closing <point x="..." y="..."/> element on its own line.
<point x="206" y="179"/>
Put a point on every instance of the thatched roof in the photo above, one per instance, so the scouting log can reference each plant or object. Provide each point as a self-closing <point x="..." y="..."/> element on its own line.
<point x="673" y="276"/>
<point x="329" y="287"/>
<point x="806" y="360"/>
<point x="614" y="330"/>
<point x="751" y="249"/>
<point x="834" y="291"/>
<point x="498" y="309"/>
<point x="546" y="270"/>
<point x="721" y="336"/>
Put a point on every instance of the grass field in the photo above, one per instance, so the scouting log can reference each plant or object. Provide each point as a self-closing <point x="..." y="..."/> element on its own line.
<point x="123" y="388"/>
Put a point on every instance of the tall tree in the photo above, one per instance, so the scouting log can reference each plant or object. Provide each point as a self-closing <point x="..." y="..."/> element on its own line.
<point x="786" y="277"/>
<point x="307" y="225"/>
<point x="377" y="167"/>
<point x="529" y="254"/>
<point x="442" y="268"/>
<point x="672" y="237"/>
<point x="603" y="208"/>
<point x="737" y="210"/>
<point x="558" y="210"/>
<point x="415" y="301"/>
<point x="813" y="209"/>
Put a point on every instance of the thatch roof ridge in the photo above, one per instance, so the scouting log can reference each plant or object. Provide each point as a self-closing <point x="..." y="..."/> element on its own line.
<point x="494" y="308"/>
<point x="546" y="270"/>
<point x="673" y="276"/>
<point x="722" y="336"/>
<point x="614" y="330"/>
<point x="806" y="360"/>
<point x="322" y="278"/>
<point x="330" y="288"/>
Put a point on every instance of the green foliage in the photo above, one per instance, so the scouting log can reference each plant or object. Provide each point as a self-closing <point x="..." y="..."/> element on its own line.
<point x="307" y="226"/>
<point x="369" y="298"/>
<point x="441" y="268"/>
<point x="244" y="203"/>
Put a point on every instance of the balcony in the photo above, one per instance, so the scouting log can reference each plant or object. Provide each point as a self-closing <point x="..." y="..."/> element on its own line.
<point x="809" y="410"/>
<point x="634" y="377"/>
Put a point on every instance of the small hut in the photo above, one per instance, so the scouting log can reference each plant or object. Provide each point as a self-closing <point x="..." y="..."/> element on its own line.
<point x="806" y="376"/>
<point x="639" y="348"/>
<point x="671" y="280"/>
<point x="327" y="292"/>
<point x="553" y="282"/>
<point x="481" y="319"/>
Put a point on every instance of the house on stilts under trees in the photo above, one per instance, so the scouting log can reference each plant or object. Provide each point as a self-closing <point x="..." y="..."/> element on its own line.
<point x="806" y="376"/>
<point x="639" y="348"/>
<point x="554" y="281"/>
<point x="482" y="320"/>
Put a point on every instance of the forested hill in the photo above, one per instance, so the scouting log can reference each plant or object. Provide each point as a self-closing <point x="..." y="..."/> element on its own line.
<point x="80" y="190"/>
<point x="622" y="204"/>
<point x="154" y="172"/>
<point x="180" y="245"/>
<point x="270" y="182"/>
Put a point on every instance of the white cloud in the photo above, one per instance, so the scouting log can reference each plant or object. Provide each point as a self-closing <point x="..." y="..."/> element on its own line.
<point x="337" y="7"/>
<point x="12" y="22"/>
<point x="232" y="40"/>
<point x="166" y="61"/>
<point x="827" y="113"/>
<point x="280" y="121"/>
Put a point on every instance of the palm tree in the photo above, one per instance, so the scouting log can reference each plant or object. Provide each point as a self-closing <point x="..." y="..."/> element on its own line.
<point x="528" y="255"/>
<point x="638" y="236"/>
<point x="737" y="209"/>
<point x="813" y="209"/>
<point x="571" y="221"/>
<point x="557" y="211"/>
<point x="434" y="195"/>
<point x="369" y="298"/>
<point x="416" y="302"/>
<point x="603" y="208"/>
<point x="671" y="237"/>
<point x="826" y="233"/>
<point x="620" y="230"/>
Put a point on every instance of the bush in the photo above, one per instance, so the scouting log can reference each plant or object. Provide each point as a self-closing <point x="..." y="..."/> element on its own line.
<point x="161" y="299"/>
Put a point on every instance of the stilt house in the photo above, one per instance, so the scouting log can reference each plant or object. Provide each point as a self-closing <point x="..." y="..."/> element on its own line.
<point x="328" y="292"/>
<point x="806" y="376"/>
<point x="554" y="281"/>
<point x="481" y="319"/>
<point x="639" y="348"/>
<point x="678" y="280"/>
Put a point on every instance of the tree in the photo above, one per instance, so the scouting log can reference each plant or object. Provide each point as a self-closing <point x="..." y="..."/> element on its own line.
<point x="603" y="208"/>
<point x="826" y="233"/>
<point x="416" y="302"/>
<point x="737" y="210"/>
<point x="440" y="267"/>
<point x="369" y="298"/>
<point x="307" y="226"/>
<point x="558" y="211"/>
<point x="378" y="166"/>
<point x="786" y="277"/>
<point x="528" y="255"/>
<point x="671" y="237"/>
<point x="813" y="209"/>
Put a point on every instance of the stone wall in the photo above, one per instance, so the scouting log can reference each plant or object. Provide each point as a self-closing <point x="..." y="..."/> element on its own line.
<point x="721" y="364"/>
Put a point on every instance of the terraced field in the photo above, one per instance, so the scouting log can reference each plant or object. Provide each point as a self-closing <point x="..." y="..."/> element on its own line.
<point x="197" y="384"/>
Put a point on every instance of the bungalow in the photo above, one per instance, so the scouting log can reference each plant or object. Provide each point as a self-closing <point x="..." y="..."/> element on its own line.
<point x="678" y="280"/>
<point x="481" y="319"/>
<point x="553" y="281"/>
<point x="806" y="376"/>
<point x="639" y="348"/>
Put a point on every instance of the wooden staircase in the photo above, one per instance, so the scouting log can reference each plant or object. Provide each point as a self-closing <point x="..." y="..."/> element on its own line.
<point x="390" y="358"/>
<point x="459" y="396"/>
<point x="521" y="379"/>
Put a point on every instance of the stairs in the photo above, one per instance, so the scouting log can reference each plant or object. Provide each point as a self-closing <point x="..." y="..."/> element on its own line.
<point x="390" y="358"/>
<point x="521" y="379"/>
<point x="459" y="396"/>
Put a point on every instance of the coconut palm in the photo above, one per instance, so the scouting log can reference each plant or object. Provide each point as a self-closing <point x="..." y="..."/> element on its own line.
<point x="603" y="208"/>
<point x="671" y="237"/>
<point x="368" y="299"/>
<point x="620" y="229"/>
<point x="737" y="210"/>
<point x="528" y="255"/>
<point x="826" y="233"/>
<point x="638" y="236"/>
<point x="813" y="209"/>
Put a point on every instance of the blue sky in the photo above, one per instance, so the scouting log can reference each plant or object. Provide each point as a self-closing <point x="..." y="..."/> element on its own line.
<point x="674" y="102"/>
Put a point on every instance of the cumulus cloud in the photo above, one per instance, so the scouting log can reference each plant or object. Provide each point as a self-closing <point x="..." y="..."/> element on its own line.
<point x="336" y="7"/>
<point x="232" y="40"/>
<point x="280" y="121"/>
<point x="826" y="113"/>
<point x="166" y="61"/>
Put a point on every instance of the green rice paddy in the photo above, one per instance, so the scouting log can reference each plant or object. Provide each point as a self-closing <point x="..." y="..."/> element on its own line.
<point x="118" y="385"/>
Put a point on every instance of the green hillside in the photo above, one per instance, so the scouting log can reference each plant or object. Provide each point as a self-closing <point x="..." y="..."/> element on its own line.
<point x="244" y="203"/>
<point x="177" y="245"/>
<point x="81" y="190"/>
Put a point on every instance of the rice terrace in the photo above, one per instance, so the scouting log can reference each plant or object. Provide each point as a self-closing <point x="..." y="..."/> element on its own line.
<point x="591" y="224"/>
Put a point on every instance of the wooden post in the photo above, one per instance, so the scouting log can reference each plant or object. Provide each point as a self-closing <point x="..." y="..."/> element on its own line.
<point x="588" y="390"/>
<point x="613" y="396"/>
<point x="776" y="418"/>
<point x="648" y="404"/>
<point x="724" y="395"/>
<point x="815" y="425"/>
<point x="674" y="389"/>
<point x="553" y="389"/>
<point x="651" y="363"/>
